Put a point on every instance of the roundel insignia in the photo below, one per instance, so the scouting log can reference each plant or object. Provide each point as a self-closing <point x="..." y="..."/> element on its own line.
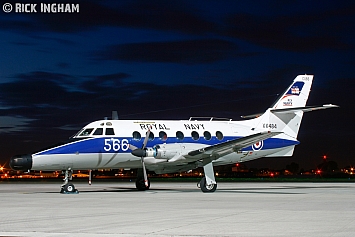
<point x="257" y="146"/>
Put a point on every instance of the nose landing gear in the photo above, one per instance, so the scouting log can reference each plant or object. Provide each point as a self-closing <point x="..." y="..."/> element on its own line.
<point x="66" y="187"/>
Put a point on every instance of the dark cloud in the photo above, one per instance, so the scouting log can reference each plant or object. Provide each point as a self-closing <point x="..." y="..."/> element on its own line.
<point x="301" y="32"/>
<point x="95" y="84"/>
<point x="185" y="52"/>
<point x="42" y="97"/>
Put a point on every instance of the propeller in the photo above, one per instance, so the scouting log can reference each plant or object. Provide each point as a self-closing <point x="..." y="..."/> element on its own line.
<point x="141" y="152"/>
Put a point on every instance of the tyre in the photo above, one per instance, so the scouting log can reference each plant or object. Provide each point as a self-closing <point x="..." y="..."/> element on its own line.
<point x="140" y="185"/>
<point x="207" y="188"/>
<point x="69" y="188"/>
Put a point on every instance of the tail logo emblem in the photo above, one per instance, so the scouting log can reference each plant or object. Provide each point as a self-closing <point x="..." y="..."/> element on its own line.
<point x="295" y="90"/>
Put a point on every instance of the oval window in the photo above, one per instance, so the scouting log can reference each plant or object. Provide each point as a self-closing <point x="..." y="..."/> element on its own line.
<point x="163" y="136"/>
<point x="219" y="135"/>
<point x="207" y="135"/>
<point x="151" y="136"/>
<point x="195" y="135"/>
<point x="136" y="136"/>
<point x="179" y="135"/>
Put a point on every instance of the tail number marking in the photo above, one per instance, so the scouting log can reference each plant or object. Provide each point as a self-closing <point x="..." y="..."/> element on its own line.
<point x="270" y="125"/>
<point x="113" y="144"/>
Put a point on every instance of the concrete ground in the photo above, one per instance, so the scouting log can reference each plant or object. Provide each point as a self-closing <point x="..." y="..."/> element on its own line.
<point x="178" y="209"/>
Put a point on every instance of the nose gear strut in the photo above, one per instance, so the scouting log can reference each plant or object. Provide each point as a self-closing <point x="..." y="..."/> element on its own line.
<point x="66" y="187"/>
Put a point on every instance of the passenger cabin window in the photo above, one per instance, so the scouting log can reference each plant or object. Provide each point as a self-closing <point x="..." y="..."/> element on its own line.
<point x="219" y="135"/>
<point x="98" y="131"/>
<point x="163" y="136"/>
<point x="151" y="136"/>
<point x="207" y="135"/>
<point x="86" y="132"/>
<point x="195" y="135"/>
<point x="136" y="136"/>
<point x="179" y="135"/>
<point x="109" y="131"/>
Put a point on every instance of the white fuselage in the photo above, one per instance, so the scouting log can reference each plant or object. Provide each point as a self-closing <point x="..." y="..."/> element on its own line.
<point x="105" y="144"/>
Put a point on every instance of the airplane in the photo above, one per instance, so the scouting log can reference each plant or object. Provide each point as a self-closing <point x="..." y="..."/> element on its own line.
<point x="169" y="146"/>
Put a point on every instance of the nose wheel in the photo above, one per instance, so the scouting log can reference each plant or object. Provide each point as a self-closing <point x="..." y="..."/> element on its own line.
<point x="66" y="187"/>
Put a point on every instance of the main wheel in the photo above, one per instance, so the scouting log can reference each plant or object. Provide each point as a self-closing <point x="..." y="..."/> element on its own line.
<point x="69" y="188"/>
<point x="207" y="188"/>
<point x="140" y="185"/>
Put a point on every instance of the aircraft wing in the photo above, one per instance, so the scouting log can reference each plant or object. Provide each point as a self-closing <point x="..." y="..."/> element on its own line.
<point x="214" y="152"/>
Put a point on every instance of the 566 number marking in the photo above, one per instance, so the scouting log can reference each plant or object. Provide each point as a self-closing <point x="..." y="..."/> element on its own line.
<point x="113" y="144"/>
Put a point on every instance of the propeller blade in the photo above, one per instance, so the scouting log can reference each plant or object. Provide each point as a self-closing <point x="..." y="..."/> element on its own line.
<point x="131" y="147"/>
<point x="146" y="138"/>
<point x="144" y="173"/>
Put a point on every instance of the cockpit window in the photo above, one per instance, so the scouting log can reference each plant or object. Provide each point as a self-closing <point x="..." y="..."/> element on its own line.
<point x="98" y="131"/>
<point x="86" y="132"/>
<point x="109" y="131"/>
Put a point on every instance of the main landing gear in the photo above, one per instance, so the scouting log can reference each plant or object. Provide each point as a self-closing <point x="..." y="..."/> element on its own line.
<point x="208" y="183"/>
<point x="140" y="182"/>
<point x="66" y="187"/>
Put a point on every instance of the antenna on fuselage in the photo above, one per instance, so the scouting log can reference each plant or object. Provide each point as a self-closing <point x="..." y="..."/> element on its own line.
<point x="114" y="115"/>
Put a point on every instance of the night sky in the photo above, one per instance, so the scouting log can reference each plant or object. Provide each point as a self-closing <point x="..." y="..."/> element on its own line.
<point x="173" y="60"/>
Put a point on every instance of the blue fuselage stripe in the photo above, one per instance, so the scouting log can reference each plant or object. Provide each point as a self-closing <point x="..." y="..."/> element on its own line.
<point x="120" y="145"/>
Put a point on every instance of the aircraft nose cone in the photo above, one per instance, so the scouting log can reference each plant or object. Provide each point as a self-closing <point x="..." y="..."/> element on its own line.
<point x="21" y="162"/>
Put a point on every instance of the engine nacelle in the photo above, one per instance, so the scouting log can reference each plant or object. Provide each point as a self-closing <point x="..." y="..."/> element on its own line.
<point x="166" y="151"/>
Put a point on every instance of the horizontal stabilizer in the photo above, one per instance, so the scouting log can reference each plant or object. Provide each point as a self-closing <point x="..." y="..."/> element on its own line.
<point x="304" y="109"/>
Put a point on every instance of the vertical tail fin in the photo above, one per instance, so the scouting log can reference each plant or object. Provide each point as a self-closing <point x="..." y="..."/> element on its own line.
<point x="297" y="93"/>
<point x="284" y="115"/>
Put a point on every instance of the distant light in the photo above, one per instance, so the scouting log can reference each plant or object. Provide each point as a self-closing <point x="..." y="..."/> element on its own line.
<point x="324" y="157"/>
<point x="318" y="171"/>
